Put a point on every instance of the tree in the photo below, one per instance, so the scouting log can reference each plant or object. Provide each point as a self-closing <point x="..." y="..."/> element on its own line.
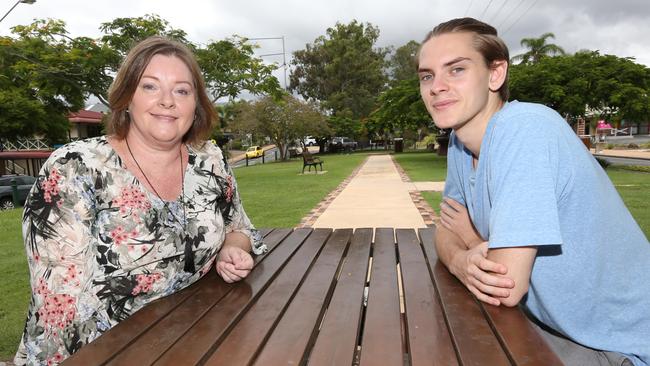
<point x="230" y="67"/>
<point x="400" y="109"/>
<point x="342" y="69"/>
<point x="42" y="79"/>
<point x="283" y="120"/>
<point x="537" y="49"/>
<point x="401" y="65"/>
<point x="585" y="82"/>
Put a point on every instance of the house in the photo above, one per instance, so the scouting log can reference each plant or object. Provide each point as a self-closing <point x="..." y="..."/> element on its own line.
<point x="28" y="155"/>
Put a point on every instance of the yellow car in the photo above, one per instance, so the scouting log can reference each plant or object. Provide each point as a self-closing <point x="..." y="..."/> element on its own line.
<point x="254" y="152"/>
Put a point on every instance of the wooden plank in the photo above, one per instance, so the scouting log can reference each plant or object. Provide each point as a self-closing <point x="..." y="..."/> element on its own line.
<point x="382" y="335"/>
<point x="294" y="333"/>
<point x="140" y="324"/>
<point x="473" y="338"/>
<point x="240" y="345"/>
<point x="427" y="334"/>
<point x="337" y="339"/>
<point x="524" y="345"/>
<point x="208" y="332"/>
<point x="265" y="231"/>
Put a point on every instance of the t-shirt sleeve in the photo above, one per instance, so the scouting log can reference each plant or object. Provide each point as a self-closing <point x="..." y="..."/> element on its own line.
<point x="523" y="174"/>
<point x="453" y="187"/>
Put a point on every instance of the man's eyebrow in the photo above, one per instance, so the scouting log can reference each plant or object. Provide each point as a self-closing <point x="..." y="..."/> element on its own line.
<point x="456" y="60"/>
<point x="447" y="64"/>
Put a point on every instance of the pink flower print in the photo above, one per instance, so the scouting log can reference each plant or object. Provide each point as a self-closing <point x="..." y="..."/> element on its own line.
<point x="119" y="235"/>
<point x="50" y="186"/>
<point x="145" y="283"/>
<point x="72" y="275"/>
<point x="133" y="199"/>
<point x="57" y="311"/>
<point x="230" y="189"/>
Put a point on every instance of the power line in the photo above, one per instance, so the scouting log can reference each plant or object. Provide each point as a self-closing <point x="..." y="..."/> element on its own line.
<point x="470" y="5"/>
<point x="521" y="16"/>
<point x="499" y="11"/>
<point x="512" y="12"/>
<point x="486" y="8"/>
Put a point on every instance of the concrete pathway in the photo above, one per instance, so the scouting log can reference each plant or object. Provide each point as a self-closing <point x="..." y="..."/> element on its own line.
<point x="375" y="197"/>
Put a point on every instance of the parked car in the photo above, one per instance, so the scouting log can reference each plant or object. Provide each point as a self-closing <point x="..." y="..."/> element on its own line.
<point x="254" y="152"/>
<point x="342" y="143"/>
<point x="310" y="141"/>
<point x="24" y="184"/>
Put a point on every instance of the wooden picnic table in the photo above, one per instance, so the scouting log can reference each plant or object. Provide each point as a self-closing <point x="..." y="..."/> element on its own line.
<point x="326" y="297"/>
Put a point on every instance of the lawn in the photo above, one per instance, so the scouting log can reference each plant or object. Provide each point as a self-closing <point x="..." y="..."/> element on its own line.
<point x="274" y="195"/>
<point x="632" y="185"/>
<point x="14" y="283"/>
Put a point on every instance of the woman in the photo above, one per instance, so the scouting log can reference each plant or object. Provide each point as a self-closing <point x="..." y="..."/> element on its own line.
<point x="118" y="221"/>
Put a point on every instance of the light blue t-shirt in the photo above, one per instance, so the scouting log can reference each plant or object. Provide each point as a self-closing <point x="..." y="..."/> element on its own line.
<point x="536" y="184"/>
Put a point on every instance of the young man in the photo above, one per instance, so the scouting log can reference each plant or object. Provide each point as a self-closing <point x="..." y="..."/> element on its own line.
<point x="559" y="238"/>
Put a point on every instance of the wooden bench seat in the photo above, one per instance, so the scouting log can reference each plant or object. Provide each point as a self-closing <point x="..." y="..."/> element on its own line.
<point x="308" y="160"/>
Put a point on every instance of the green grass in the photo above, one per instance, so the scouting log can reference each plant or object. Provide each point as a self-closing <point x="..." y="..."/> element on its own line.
<point x="14" y="283"/>
<point x="274" y="195"/>
<point x="634" y="188"/>
<point x="423" y="166"/>
<point x="433" y="199"/>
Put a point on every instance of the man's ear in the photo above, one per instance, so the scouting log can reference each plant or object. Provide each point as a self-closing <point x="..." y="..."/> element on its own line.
<point x="498" y="72"/>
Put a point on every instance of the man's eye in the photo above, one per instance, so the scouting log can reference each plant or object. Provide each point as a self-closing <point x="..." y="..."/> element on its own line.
<point x="426" y="77"/>
<point x="457" y="70"/>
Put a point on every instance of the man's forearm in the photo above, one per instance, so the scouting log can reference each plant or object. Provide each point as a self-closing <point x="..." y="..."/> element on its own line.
<point x="448" y="245"/>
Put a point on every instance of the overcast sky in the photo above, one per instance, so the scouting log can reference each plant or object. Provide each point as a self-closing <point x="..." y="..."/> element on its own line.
<point x="619" y="27"/>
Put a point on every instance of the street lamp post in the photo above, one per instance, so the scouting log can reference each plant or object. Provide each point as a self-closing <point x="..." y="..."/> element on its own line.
<point x="284" y="57"/>
<point x="16" y="4"/>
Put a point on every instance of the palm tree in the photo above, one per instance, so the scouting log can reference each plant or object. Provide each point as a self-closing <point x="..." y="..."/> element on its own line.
<point x="537" y="49"/>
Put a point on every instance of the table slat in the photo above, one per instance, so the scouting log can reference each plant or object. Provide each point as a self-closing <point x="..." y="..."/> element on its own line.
<point x="525" y="346"/>
<point x="294" y="332"/>
<point x="337" y="339"/>
<point x="209" y="331"/>
<point x="239" y="347"/>
<point x="382" y="334"/>
<point x="427" y="333"/>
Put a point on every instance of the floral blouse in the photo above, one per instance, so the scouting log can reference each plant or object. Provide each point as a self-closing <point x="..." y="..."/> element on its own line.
<point x="100" y="246"/>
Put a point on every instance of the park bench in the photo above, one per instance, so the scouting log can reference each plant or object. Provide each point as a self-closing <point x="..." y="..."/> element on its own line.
<point x="308" y="160"/>
<point x="326" y="297"/>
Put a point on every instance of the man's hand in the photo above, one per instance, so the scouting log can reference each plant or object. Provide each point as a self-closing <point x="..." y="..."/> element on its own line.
<point x="483" y="277"/>
<point x="234" y="263"/>
<point x="455" y="218"/>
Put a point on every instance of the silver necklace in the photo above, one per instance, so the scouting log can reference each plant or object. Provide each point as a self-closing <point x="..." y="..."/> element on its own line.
<point x="180" y="154"/>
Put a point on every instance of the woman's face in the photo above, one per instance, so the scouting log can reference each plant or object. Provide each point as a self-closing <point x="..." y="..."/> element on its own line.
<point x="163" y="105"/>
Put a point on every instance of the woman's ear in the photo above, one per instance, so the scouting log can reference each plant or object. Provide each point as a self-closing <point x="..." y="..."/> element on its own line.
<point x="498" y="72"/>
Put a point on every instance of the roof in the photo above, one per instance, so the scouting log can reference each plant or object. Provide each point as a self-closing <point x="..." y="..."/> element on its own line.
<point x="84" y="116"/>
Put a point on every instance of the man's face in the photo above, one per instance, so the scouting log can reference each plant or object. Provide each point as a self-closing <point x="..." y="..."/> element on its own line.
<point x="454" y="81"/>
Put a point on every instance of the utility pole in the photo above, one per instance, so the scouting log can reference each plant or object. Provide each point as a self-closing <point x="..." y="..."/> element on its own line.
<point x="284" y="55"/>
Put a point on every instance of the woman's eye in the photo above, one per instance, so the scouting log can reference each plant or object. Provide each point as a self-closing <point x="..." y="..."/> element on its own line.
<point x="183" y="91"/>
<point x="457" y="70"/>
<point x="148" y="86"/>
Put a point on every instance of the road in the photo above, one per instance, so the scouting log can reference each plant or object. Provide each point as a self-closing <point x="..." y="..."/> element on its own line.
<point x="269" y="155"/>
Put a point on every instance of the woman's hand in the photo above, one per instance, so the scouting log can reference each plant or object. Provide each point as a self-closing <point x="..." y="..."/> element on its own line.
<point x="234" y="263"/>
<point x="483" y="277"/>
<point x="455" y="217"/>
